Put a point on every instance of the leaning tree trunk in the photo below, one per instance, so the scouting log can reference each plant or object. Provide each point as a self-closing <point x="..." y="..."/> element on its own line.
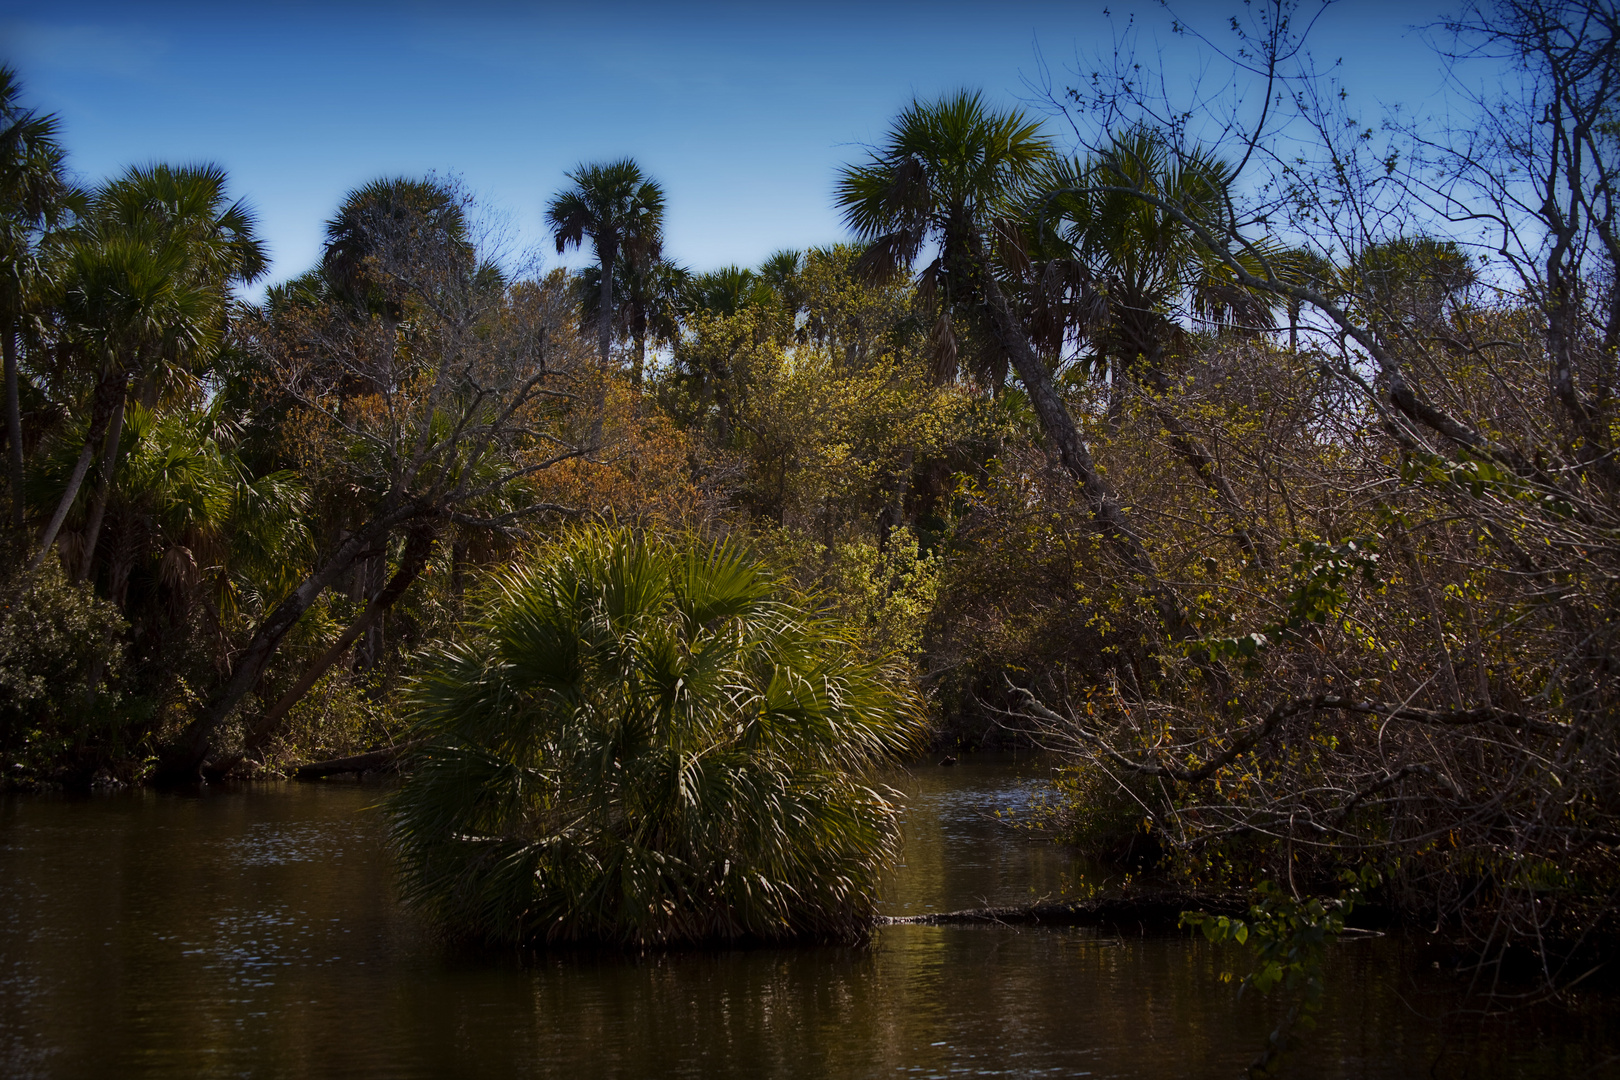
<point x="1072" y="451"/>
<point x="98" y="507"/>
<point x="14" y="424"/>
<point x="418" y="546"/>
<point x="181" y="761"/>
<point x="109" y="394"/>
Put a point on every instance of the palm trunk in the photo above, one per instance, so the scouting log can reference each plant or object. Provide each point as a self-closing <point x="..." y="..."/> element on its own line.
<point x="98" y="508"/>
<point x="604" y="330"/>
<point x="109" y="393"/>
<point x="1072" y="451"/>
<point x="417" y="549"/>
<point x="14" y="425"/>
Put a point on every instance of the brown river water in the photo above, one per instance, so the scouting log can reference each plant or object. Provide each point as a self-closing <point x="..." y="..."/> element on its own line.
<point x="254" y="932"/>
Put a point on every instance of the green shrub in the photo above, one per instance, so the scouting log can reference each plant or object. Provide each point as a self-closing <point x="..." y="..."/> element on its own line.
<point x="61" y="649"/>
<point x="641" y="744"/>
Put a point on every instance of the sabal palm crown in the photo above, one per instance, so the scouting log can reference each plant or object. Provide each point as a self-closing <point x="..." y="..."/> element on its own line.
<point x="147" y="273"/>
<point x="945" y="171"/>
<point x="643" y="744"/>
<point x="621" y="212"/>
<point x="33" y="185"/>
<point x="1133" y="260"/>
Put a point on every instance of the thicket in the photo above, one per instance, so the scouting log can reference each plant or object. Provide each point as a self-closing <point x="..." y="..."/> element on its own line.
<point x="1258" y="456"/>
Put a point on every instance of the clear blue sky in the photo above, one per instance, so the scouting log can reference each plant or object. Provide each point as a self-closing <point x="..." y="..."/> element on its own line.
<point x="743" y="111"/>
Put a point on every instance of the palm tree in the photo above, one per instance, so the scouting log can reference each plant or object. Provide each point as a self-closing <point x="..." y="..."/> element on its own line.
<point x="379" y="228"/>
<point x="1405" y="285"/>
<point x="643" y="744"/>
<point x="1138" y="262"/>
<point x="34" y="196"/>
<point x="949" y="173"/>
<point x="729" y="290"/>
<point x="1099" y="226"/>
<point x="146" y="286"/>
<point x="622" y="213"/>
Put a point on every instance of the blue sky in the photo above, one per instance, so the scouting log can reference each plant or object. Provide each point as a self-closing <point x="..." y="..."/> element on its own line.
<point x="744" y="112"/>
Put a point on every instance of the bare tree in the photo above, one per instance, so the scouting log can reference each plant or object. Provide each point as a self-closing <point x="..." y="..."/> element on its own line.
<point x="427" y="415"/>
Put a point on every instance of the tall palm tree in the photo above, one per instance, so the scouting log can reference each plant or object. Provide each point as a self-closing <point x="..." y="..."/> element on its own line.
<point x="948" y="170"/>
<point x="949" y="173"/>
<point x="1130" y="266"/>
<point x="34" y="196"/>
<point x="145" y="280"/>
<point x="621" y="212"/>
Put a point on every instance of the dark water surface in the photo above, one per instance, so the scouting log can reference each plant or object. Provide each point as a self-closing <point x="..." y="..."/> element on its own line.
<point x="254" y="933"/>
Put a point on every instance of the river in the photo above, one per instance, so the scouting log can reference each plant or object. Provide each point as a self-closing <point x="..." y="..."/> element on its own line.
<point x="253" y="932"/>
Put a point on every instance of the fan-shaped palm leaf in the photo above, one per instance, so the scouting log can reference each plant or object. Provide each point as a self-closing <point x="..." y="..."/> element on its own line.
<point x="644" y="745"/>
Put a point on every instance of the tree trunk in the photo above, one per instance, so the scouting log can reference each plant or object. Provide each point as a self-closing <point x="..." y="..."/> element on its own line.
<point x="181" y="762"/>
<point x="418" y="547"/>
<point x="14" y="425"/>
<point x="109" y="392"/>
<point x="604" y="330"/>
<point x="98" y="508"/>
<point x="1076" y="457"/>
<point x="371" y="571"/>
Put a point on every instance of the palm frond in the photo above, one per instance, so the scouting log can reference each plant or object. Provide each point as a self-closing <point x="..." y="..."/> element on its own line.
<point x="644" y="744"/>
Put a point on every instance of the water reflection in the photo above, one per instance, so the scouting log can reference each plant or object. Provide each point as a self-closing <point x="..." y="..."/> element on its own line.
<point x="255" y="933"/>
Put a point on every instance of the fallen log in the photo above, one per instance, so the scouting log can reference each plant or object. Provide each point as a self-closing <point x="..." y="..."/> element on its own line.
<point x="1158" y="913"/>
<point x="357" y="763"/>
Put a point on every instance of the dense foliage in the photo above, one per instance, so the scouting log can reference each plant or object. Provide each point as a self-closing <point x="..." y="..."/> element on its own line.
<point x="1267" y="470"/>
<point x="639" y="741"/>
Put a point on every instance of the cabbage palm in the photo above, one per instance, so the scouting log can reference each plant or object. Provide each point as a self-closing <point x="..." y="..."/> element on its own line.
<point x="622" y="213"/>
<point x="380" y="228"/>
<point x="947" y="172"/>
<point x="34" y="196"/>
<point x="1106" y="214"/>
<point x="1133" y="265"/>
<point x="145" y="281"/>
<point x="642" y="744"/>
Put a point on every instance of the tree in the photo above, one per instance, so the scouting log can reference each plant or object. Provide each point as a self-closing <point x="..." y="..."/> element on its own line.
<point x="948" y="171"/>
<point x="1444" y="639"/>
<point x="410" y="433"/>
<point x="144" y="284"/>
<point x="1128" y="266"/>
<point x="643" y="743"/>
<point x="34" y="196"/>
<point x="622" y="213"/>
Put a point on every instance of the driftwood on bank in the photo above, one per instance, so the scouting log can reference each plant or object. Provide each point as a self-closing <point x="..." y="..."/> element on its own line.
<point x="1156" y="913"/>
<point x="357" y="763"/>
